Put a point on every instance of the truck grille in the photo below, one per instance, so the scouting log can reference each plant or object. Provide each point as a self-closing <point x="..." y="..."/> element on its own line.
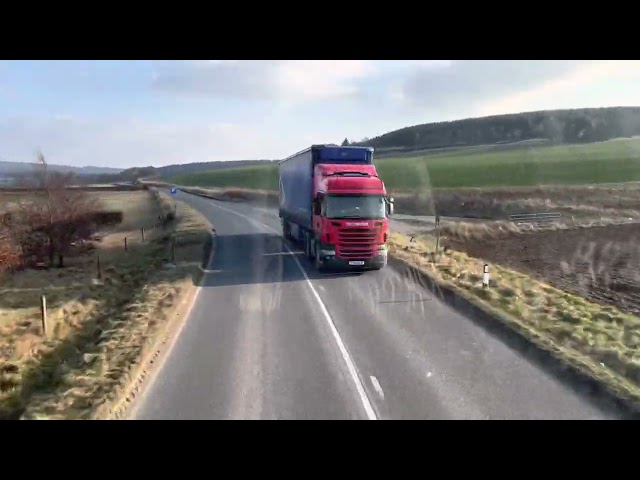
<point x="356" y="243"/>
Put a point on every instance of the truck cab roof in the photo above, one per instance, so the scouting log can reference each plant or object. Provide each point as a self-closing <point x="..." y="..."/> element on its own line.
<point x="336" y="178"/>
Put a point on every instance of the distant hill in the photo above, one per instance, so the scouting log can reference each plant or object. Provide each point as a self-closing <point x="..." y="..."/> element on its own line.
<point x="18" y="168"/>
<point x="551" y="126"/>
<point x="171" y="170"/>
<point x="150" y="172"/>
<point x="109" y="175"/>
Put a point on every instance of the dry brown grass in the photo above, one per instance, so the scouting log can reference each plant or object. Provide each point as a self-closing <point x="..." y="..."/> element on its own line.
<point x="600" y="340"/>
<point x="98" y="329"/>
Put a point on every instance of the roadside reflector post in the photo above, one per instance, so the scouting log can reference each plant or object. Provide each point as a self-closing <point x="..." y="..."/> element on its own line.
<point x="485" y="276"/>
<point x="142" y="230"/>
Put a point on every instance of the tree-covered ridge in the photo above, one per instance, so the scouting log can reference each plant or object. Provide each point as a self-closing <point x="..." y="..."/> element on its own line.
<point x="554" y="126"/>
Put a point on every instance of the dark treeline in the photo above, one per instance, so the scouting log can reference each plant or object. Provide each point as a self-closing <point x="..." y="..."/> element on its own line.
<point x="555" y="126"/>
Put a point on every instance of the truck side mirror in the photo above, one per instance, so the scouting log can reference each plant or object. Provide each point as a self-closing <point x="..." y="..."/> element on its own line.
<point x="390" y="207"/>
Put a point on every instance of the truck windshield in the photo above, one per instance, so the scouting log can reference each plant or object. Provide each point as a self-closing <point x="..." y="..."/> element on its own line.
<point x="355" y="206"/>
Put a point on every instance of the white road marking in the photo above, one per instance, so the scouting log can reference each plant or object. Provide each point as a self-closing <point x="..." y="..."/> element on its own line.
<point x="377" y="386"/>
<point x="371" y="414"/>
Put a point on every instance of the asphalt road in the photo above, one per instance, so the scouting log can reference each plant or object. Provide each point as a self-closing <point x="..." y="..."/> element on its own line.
<point x="269" y="338"/>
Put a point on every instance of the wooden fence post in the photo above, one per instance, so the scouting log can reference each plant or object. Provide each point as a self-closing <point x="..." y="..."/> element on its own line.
<point x="142" y="229"/>
<point x="99" y="268"/>
<point x="125" y="244"/>
<point x="43" y="311"/>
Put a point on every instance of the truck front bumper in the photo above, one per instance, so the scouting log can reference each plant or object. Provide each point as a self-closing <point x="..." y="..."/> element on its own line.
<point x="333" y="261"/>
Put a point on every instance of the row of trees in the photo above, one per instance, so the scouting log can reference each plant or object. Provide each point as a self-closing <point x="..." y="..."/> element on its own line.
<point x="48" y="223"/>
<point x="557" y="126"/>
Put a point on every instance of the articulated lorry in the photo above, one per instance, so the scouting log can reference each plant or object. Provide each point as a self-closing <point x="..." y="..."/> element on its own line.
<point x="333" y="202"/>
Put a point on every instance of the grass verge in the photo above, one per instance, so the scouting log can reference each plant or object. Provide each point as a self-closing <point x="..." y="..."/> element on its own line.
<point x="600" y="341"/>
<point x="99" y="329"/>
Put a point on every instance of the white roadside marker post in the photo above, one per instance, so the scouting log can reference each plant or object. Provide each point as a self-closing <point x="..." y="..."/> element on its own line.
<point x="485" y="276"/>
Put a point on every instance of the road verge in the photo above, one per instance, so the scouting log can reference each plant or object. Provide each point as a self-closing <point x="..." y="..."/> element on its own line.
<point x="104" y="342"/>
<point x="589" y="344"/>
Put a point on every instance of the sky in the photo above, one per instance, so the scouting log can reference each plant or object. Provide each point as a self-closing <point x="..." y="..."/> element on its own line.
<point x="138" y="113"/>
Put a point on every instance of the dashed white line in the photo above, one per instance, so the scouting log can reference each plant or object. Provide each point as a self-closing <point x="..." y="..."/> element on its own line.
<point x="371" y="414"/>
<point x="377" y="386"/>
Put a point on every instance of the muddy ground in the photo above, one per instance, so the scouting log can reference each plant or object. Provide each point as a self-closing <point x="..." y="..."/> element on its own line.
<point x="599" y="263"/>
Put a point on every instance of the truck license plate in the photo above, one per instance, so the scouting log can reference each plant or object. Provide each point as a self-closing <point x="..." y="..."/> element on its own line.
<point x="356" y="262"/>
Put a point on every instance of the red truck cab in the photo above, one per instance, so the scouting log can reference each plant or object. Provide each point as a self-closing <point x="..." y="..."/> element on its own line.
<point x="333" y="202"/>
<point x="350" y="216"/>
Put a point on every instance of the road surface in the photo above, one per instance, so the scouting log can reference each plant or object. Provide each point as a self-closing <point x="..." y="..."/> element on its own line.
<point x="269" y="338"/>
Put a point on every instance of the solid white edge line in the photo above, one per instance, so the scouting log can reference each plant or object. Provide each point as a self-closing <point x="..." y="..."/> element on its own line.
<point x="371" y="414"/>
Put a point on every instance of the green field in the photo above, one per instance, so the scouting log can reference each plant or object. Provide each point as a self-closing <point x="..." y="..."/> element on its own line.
<point x="259" y="177"/>
<point x="605" y="162"/>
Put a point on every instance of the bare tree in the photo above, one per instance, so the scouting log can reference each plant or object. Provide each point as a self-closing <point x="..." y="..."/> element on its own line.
<point x="49" y="225"/>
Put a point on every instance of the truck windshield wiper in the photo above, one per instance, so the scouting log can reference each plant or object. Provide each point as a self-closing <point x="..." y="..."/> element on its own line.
<point x="352" y="216"/>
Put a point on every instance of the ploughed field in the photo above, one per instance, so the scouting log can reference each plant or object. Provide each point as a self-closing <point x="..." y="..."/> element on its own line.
<point x="599" y="263"/>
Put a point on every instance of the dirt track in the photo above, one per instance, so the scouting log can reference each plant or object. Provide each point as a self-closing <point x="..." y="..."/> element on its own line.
<point x="600" y="263"/>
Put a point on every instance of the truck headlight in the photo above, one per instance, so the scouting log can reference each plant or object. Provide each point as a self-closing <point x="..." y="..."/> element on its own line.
<point x="328" y="253"/>
<point x="382" y="250"/>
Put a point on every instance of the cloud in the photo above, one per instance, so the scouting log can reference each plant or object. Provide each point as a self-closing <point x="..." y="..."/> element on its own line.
<point x="464" y="85"/>
<point x="592" y="84"/>
<point x="292" y="81"/>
